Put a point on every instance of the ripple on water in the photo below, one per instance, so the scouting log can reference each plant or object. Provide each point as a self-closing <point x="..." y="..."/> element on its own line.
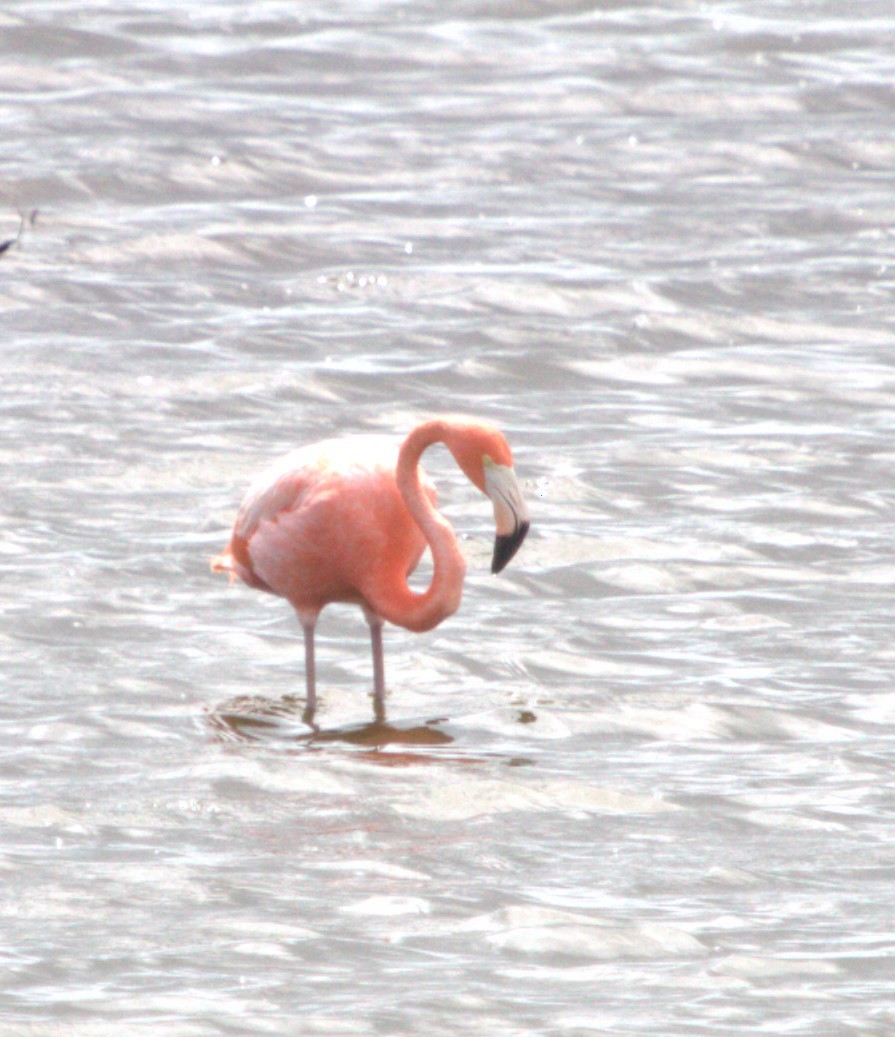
<point x="684" y="720"/>
<point x="463" y="800"/>
<point x="389" y="906"/>
<point x="563" y="934"/>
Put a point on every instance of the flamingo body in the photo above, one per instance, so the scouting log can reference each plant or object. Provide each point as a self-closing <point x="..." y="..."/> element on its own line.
<point x="348" y="521"/>
<point x="325" y="523"/>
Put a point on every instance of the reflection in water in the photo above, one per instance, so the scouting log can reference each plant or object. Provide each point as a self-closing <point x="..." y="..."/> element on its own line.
<point x="379" y="733"/>
<point x="284" y="721"/>
<point x="255" y="718"/>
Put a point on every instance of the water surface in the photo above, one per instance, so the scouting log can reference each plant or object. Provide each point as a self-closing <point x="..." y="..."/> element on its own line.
<point x="642" y="781"/>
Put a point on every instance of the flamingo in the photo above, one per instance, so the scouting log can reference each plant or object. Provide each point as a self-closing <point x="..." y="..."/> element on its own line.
<point x="347" y="520"/>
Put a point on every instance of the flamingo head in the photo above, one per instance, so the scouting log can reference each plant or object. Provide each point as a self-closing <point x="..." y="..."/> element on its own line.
<point x="484" y="455"/>
<point x="510" y="511"/>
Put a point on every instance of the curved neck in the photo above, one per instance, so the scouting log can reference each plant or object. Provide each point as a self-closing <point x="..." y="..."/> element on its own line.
<point x="404" y="606"/>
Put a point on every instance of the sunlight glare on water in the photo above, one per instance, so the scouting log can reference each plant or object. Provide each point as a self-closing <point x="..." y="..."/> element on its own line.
<point x="641" y="782"/>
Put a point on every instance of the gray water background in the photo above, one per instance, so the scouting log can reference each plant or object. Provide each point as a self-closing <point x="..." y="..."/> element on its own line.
<point x="642" y="783"/>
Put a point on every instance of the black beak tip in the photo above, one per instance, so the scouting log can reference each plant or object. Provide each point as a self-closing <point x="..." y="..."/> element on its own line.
<point x="506" y="546"/>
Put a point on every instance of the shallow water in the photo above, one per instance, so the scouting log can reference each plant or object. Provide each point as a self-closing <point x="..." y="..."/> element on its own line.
<point x="642" y="781"/>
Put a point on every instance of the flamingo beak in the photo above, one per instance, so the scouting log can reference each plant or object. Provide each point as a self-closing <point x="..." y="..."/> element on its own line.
<point x="510" y="513"/>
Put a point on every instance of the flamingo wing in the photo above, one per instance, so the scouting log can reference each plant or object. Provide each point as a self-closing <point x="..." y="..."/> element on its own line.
<point x="325" y="523"/>
<point x="279" y="489"/>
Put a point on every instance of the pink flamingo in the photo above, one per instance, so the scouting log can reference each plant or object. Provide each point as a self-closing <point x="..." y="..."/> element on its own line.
<point x="348" y="520"/>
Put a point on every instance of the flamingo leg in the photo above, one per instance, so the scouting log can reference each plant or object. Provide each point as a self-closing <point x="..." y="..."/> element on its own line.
<point x="378" y="669"/>
<point x="310" y="674"/>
